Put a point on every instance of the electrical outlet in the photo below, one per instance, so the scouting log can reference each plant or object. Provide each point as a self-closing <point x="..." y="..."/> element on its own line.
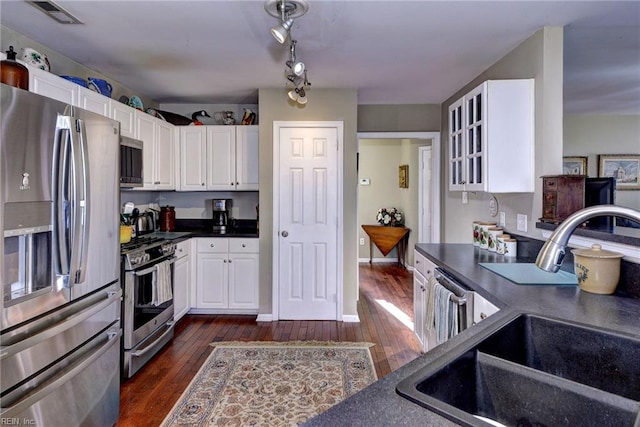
<point x="521" y="224"/>
<point x="503" y="219"/>
<point x="362" y="241"/>
<point x="465" y="197"/>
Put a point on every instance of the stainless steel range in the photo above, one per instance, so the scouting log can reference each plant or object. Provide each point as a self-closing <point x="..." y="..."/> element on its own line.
<point x="147" y="308"/>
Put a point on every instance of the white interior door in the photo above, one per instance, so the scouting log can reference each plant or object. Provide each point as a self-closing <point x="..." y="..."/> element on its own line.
<point x="307" y="223"/>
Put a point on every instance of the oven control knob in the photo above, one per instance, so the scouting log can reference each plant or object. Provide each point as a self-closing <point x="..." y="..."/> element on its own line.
<point x="146" y="257"/>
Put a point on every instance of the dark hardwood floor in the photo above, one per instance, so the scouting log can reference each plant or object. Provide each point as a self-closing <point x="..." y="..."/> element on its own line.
<point x="147" y="397"/>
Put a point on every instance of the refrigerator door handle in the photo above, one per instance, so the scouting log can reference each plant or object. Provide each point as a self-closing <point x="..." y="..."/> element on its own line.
<point x="81" y="224"/>
<point x="62" y="203"/>
<point x="32" y="396"/>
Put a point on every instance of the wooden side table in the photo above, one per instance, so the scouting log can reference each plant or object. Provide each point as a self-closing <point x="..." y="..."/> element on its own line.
<point x="387" y="238"/>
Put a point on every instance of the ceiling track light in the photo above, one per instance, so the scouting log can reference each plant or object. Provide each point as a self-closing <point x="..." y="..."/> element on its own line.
<point x="286" y="11"/>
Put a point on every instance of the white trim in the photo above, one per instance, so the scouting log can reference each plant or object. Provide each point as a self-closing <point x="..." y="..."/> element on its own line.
<point x="435" y="170"/>
<point x="350" y="318"/>
<point x="339" y="126"/>
<point x="265" y="317"/>
<point x="196" y="310"/>
<point x="631" y="253"/>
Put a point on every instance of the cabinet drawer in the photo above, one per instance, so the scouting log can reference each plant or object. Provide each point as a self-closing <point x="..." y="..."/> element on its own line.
<point x="420" y="262"/>
<point x="213" y="245"/>
<point x="243" y="246"/>
<point x="183" y="248"/>
<point x="550" y="184"/>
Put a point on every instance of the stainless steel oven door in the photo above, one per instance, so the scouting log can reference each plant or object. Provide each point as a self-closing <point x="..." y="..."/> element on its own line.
<point x="141" y="317"/>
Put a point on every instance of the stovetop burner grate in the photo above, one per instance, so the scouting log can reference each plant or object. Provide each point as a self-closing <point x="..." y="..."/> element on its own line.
<point x="139" y="242"/>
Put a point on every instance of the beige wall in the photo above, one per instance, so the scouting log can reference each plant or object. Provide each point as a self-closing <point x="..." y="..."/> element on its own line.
<point x="589" y="135"/>
<point x="379" y="161"/>
<point x="539" y="57"/>
<point x="323" y="105"/>
<point x="61" y="65"/>
<point x="399" y="118"/>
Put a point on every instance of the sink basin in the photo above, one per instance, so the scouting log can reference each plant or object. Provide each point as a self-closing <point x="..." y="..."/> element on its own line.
<point x="534" y="370"/>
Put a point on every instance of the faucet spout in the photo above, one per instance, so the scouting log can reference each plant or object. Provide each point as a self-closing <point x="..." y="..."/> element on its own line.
<point x="552" y="253"/>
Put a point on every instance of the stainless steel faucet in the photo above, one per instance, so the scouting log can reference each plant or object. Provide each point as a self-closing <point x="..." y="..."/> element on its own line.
<point x="552" y="252"/>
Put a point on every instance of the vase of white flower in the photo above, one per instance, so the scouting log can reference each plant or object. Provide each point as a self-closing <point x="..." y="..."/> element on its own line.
<point x="391" y="217"/>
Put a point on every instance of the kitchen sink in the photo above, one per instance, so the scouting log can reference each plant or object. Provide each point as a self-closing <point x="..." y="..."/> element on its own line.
<point x="534" y="370"/>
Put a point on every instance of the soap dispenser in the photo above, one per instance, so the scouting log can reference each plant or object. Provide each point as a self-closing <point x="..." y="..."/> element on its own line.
<point x="13" y="73"/>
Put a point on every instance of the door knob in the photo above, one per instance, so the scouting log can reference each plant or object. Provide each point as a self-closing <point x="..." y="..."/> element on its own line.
<point x="285" y="233"/>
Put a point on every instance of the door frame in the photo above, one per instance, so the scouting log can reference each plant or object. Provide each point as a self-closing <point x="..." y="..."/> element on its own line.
<point x="275" y="295"/>
<point x="435" y="175"/>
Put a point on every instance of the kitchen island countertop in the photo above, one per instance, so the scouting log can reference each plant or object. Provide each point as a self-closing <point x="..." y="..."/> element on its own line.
<point x="380" y="405"/>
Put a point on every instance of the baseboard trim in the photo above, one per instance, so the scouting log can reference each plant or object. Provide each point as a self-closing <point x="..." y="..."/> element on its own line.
<point x="351" y="318"/>
<point x="265" y="317"/>
<point x="377" y="260"/>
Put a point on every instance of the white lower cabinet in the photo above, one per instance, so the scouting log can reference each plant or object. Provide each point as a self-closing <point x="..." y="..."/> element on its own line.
<point x="182" y="280"/>
<point x="226" y="275"/>
<point x="423" y="271"/>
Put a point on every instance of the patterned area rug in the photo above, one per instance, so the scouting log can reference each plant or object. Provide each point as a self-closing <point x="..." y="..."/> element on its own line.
<point x="272" y="384"/>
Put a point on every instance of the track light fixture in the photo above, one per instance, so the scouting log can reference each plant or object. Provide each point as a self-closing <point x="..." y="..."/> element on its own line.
<point x="286" y="11"/>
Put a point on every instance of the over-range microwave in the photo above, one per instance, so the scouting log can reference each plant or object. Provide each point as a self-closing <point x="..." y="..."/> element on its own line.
<point x="130" y="162"/>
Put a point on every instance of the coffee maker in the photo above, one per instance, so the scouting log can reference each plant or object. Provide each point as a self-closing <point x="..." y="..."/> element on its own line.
<point x="221" y="209"/>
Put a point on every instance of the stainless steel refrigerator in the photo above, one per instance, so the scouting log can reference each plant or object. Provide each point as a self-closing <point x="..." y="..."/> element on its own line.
<point x="60" y="325"/>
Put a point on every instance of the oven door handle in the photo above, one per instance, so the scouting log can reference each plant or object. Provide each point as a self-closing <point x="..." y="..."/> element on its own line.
<point x="169" y="326"/>
<point x="152" y="268"/>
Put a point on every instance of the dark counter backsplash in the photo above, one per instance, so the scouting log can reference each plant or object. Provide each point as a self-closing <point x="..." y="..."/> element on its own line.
<point x="199" y="225"/>
<point x="629" y="285"/>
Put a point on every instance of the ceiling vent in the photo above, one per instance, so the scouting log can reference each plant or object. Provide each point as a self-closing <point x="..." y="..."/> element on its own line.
<point x="55" y="12"/>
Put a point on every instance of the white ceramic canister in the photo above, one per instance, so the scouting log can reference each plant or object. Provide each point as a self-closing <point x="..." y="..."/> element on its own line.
<point x="492" y="239"/>
<point x="597" y="270"/>
<point x="500" y="243"/>
<point x="484" y="233"/>
<point x="510" y="247"/>
<point x="475" y="225"/>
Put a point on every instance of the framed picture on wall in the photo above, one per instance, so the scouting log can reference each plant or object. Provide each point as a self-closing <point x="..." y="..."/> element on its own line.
<point x="576" y="165"/>
<point x="403" y="176"/>
<point x="623" y="167"/>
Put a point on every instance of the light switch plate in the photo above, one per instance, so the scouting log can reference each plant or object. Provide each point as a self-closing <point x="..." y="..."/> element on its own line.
<point x="521" y="222"/>
<point x="365" y="181"/>
<point x="362" y="241"/>
<point x="503" y="219"/>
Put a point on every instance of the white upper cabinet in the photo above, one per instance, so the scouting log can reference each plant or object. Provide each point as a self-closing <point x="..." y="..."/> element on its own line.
<point x="93" y="101"/>
<point x="49" y="85"/>
<point x="491" y="138"/>
<point x="247" y="158"/>
<point x="126" y="116"/>
<point x="158" y="165"/>
<point x="221" y="158"/>
<point x="218" y="158"/>
<point x="193" y="158"/>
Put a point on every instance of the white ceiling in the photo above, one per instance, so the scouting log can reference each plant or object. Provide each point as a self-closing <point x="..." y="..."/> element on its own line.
<point x="392" y="52"/>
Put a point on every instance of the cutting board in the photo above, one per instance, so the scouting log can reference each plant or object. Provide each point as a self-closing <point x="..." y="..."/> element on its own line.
<point x="530" y="274"/>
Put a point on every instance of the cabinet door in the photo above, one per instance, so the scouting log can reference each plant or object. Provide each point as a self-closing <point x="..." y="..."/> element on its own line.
<point x="164" y="158"/>
<point x="181" y="285"/>
<point x="93" y="101"/>
<point x="193" y="158"/>
<point x="49" y="85"/>
<point x="221" y="158"/>
<point x="474" y="128"/>
<point x="212" y="278"/>
<point x="247" y="158"/>
<point x="146" y="132"/>
<point x="243" y="280"/>
<point x="419" y="306"/>
<point x="126" y="116"/>
<point x="456" y="147"/>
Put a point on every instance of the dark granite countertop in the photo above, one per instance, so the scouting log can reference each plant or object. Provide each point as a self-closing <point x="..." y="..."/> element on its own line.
<point x="187" y="228"/>
<point x="380" y="405"/>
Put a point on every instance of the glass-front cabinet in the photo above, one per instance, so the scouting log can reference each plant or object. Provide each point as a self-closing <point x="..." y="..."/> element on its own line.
<point x="491" y="138"/>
